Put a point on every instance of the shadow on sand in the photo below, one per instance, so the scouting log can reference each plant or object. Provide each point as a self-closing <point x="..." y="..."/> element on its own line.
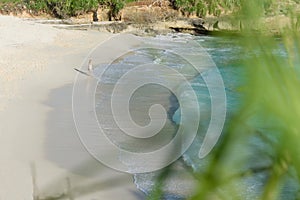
<point x="63" y="147"/>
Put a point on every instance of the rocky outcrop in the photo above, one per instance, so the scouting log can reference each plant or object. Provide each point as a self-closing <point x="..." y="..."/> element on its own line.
<point x="182" y="25"/>
<point x="192" y="26"/>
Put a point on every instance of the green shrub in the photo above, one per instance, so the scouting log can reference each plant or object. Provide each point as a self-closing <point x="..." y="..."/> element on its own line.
<point x="114" y="7"/>
<point x="61" y="9"/>
<point x="67" y="8"/>
<point x="203" y="7"/>
<point x="213" y="7"/>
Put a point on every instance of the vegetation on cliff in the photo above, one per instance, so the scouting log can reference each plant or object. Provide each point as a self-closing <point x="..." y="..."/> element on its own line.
<point x="201" y="8"/>
<point x="64" y="8"/>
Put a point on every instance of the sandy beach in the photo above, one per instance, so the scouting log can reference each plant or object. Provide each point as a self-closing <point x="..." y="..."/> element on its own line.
<point x="41" y="155"/>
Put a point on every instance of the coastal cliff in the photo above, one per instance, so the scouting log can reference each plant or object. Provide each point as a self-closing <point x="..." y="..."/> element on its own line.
<point x="152" y="17"/>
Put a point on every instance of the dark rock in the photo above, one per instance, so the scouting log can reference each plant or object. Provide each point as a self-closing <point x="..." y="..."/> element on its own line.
<point x="193" y="31"/>
<point x="95" y="16"/>
<point x="198" y="23"/>
<point x="116" y="27"/>
<point x="216" y="25"/>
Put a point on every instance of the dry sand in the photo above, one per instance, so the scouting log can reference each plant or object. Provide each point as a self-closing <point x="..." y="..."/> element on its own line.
<point x="41" y="156"/>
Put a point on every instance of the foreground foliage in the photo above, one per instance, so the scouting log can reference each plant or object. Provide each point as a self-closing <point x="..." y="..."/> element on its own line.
<point x="270" y="112"/>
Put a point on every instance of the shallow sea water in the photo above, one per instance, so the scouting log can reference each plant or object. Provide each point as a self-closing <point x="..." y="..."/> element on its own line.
<point x="227" y="56"/>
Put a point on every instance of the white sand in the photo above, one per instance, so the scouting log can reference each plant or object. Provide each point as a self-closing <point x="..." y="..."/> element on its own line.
<point x="36" y="126"/>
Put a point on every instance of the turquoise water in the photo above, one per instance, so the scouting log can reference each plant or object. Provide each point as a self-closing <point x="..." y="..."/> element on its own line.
<point x="254" y="153"/>
<point x="227" y="55"/>
<point x="225" y="52"/>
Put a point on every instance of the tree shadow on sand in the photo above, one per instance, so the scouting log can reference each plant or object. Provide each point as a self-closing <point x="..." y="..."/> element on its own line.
<point x="63" y="147"/>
